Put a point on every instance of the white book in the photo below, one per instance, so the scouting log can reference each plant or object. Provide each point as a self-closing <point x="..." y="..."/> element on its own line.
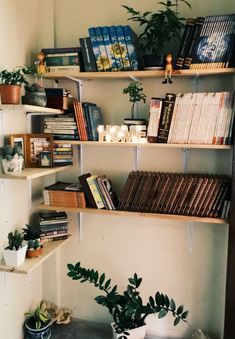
<point x="154" y="117"/>
<point x="173" y="120"/>
<point x="212" y="112"/>
<point x="222" y="119"/>
<point x="195" y="118"/>
<point x="176" y="122"/>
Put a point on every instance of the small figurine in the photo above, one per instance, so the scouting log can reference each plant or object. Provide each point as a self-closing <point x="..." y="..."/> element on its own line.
<point x="168" y="68"/>
<point x="41" y="66"/>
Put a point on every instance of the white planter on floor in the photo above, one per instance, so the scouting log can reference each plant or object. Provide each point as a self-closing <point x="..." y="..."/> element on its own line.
<point x="164" y="328"/>
<point x="136" y="333"/>
<point x="14" y="258"/>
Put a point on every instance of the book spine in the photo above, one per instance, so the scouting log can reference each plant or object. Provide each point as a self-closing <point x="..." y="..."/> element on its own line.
<point x="154" y="119"/>
<point x="67" y="60"/>
<point x="123" y="48"/>
<point x="96" y="119"/>
<point x="96" y="50"/>
<point x="103" y="52"/>
<point x="116" y="48"/>
<point x="88" y="55"/>
<point x="109" y="49"/>
<point x="95" y="191"/>
<point x="53" y="69"/>
<point x="165" y="119"/>
<point x="60" y="50"/>
<point x="88" y="122"/>
<point x="131" y="42"/>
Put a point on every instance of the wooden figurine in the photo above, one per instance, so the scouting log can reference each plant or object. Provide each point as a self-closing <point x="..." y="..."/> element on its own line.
<point x="168" y="68"/>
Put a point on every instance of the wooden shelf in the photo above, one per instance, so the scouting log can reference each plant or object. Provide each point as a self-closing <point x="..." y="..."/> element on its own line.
<point x="146" y="144"/>
<point x="32" y="109"/>
<point x="32" y="173"/>
<point x="30" y="264"/>
<point x="137" y="74"/>
<point x="134" y="214"/>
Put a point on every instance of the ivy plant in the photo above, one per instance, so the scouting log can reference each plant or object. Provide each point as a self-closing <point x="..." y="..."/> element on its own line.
<point x="16" y="76"/>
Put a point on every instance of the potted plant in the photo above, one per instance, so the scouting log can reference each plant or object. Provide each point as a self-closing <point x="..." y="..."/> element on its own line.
<point x="14" y="253"/>
<point x="159" y="29"/>
<point x="127" y="309"/>
<point x="12" y="159"/>
<point x="34" y="95"/>
<point x="38" y="322"/>
<point x="10" y="83"/>
<point x="136" y="94"/>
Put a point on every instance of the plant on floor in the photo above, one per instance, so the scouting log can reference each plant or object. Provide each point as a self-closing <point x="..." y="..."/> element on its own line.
<point x="136" y="94"/>
<point x="127" y="309"/>
<point x="39" y="317"/>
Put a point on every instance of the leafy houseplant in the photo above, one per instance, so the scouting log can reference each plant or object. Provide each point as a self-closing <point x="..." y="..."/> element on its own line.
<point x="127" y="309"/>
<point x="10" y="83"/>
<point x="32" y="234"/>
<point x="136" y="94"/>
<point x="159" y="27"/>
<point x="12" y="158"/>
<point x="14" y="253"/>
<point x="38" y="322"/>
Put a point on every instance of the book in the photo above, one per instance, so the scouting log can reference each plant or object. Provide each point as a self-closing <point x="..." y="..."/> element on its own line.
<point x="60" y="50"/>
<point x="86" y="107"/>
<point x="52" y="215"/>
<point x="102" y="48"/>
<point x="109" y="49"/>
<point x="91" y="180"/>
<point x="116" y="48"/>
<point x="65" y="68"/>
<point x="132" y="49"/>
<point x="123" y="48"/>
<point x="165" y="119"/>
<point x="96" y="119"/>
<point x="81" y="121"/>
<point x="89" y="197"/>
<point x="154" y="119"/>
<point x="96" y="49"/>
<point x="88" y="55"/>
<point x="67" y="59"/>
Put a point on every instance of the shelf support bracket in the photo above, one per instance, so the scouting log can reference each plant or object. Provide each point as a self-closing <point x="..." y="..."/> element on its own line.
<point x="190" y="229"/>
<point x="79" y="85"/>
<point x="133" y="78"/>
<point x="186" y="159"/>
<point x="196" y="79"/>
<point x="137" y="158"/>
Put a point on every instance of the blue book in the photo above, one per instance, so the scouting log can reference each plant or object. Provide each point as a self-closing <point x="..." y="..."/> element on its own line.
<point x="86" y="106"/>
<point x="96" y="50"/>
<point x="131" y="42"/>
<point x="109" y="48"/>
<point x="102" y="48"/>
<point x="96" y="119"/>
<point x="116" y="47"/>
<point x="123" y="48"/>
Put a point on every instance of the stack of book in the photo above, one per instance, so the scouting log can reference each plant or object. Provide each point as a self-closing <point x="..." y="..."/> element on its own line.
<point x="62" y="154"/>
<point x="200" y="118"/>
<point x="99" y="191"/>
<point x="208" y="42"/>
<point x="63" y="127"/>
<point x="62" y="59"/>
<point x="110" y="48"/>
<point x="174" y="193"/>
<point x="88" y="117"/>
<point x="64" y="194"/>
<point x="59" y="98"/>
<point x="53" y="225"/>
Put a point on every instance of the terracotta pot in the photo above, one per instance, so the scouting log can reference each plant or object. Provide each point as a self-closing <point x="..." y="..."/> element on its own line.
<point x="10" y="94"/>
<point x="34" y="253"/>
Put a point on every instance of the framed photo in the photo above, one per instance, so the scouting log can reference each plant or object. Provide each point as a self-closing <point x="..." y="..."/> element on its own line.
<point x="19" y="140"/>
<point x="45" y="159"/>
<point x="37" y="144"/>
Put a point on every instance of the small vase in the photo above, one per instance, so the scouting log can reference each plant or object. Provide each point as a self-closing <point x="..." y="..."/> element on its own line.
<point x="135" y="333"/>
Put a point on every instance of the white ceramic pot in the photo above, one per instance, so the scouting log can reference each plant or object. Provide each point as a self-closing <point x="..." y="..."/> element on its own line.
<point x="13" y="166"/>
<point x="14" y="258"/>
<point x="164" y="328"/>
<point x="135" y="333"/>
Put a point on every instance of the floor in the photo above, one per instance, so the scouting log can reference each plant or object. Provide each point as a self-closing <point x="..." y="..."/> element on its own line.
<point x="81" y="329"/>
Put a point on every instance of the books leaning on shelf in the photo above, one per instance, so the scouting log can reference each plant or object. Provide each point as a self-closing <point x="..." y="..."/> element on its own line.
<point x="62" y="59"/>
<point x="192" y="118"/>
<point x="64" y="194"/>
<point x="113" y="48"/>
<point x="53" y="225"/>
<point x="208" y="42"/>
<point x="62" y="154"/>
<point x="200" y="195"/>
<point x="62" y="127"/>
<point x="98" y="191"/>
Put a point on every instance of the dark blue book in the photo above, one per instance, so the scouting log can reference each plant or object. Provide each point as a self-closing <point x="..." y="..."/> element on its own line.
<point x="123" y="48"/>
<point x="116" y="48"/>
<point x="102" y="48"/>
<point x="87" y="55"/>
<point x="62" y="50"/>
<point x="96" y="119"/>
<point x="86" y="107"/>
<point x="109" y="49"/>
<point x="96" y="49"/>
<point x="131" y="43"/>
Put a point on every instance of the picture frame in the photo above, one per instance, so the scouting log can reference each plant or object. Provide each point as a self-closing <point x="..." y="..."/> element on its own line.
<point x="19" y="140"/>
<point x="45" y="159"/>
<point x="37" y="143"/>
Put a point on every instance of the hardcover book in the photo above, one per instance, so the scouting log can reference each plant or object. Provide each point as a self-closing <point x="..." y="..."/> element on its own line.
<point x="132" y="48"/>
<point x="102" y="48"/>
<point x="165" y="119"/>
<point x="154" y="119"/>
<point x="96" y="49"/>
<point x="116" y="48"/>
<point x="109" y="49"/>
<point x="123" y="48"/>
<point x="88" y="55"/>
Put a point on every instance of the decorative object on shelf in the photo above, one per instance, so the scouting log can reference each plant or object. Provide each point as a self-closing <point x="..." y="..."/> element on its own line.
<point x="31" y="234"/>
<point x="10" y="83"/>
<point x="38" y="322"/>
<point x="45" y="159"/>
<point x="160" y="28"/>
<point x="18" y="140"/>
<point x="41" y="67"/>
<point x="34" y="95"/>
<point x="136" y="94"/>
<point x="14" y="253"/>
<point x="168" y="68"/>
<point x="12" y="159"/>
<point x="127" y="309"/>
<point x="35" y="144"/>
<point x="34" y="249"/>
<point x="122" y="133"/>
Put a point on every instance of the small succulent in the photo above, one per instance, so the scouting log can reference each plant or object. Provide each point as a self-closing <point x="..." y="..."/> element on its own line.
<point x="15" y="240"/>
<point x="7" y="152"/>
<point x="33" y="245"/>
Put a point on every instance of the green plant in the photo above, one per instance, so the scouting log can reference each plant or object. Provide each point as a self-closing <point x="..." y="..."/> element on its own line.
<point x="15" y="240"/>
<point x="7" y="152"/>
<point x="16" y="76"/>
<point x="40" y="315"/>
<point x="127" y="309"/>
<point x="136" y="94"/>
<point x="33" y="245"/>
<point x="31" y="232"/>
<point x="160" y="27"/>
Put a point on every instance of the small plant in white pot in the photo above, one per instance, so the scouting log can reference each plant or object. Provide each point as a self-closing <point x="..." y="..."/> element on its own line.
<point x="14" y="253"/>
<point x="127" y="309"/>
<point x="12" y="159"/>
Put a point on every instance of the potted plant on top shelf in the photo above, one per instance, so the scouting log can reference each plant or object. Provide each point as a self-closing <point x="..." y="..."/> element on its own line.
<point x="136" y="95"/>
<point x="127" y="309"/>
<point x="160" y="28"/>
<point x="10" y="83"/>
<point x="14" y="253"/>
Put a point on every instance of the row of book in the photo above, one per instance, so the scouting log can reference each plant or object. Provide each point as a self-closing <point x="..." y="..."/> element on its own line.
<point x="64" y="194"/>
<point x="174" y="193"/>
<point x="201" y="118"/>
<point x="113" y="47"/>
<point x="207" y="42"/>
<point x="62" y="154"/>
<point x="99" y="191"/>
<point x="62" y="59"/>
<point x="53" y="226"/>
<point x="63" y="127"/>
